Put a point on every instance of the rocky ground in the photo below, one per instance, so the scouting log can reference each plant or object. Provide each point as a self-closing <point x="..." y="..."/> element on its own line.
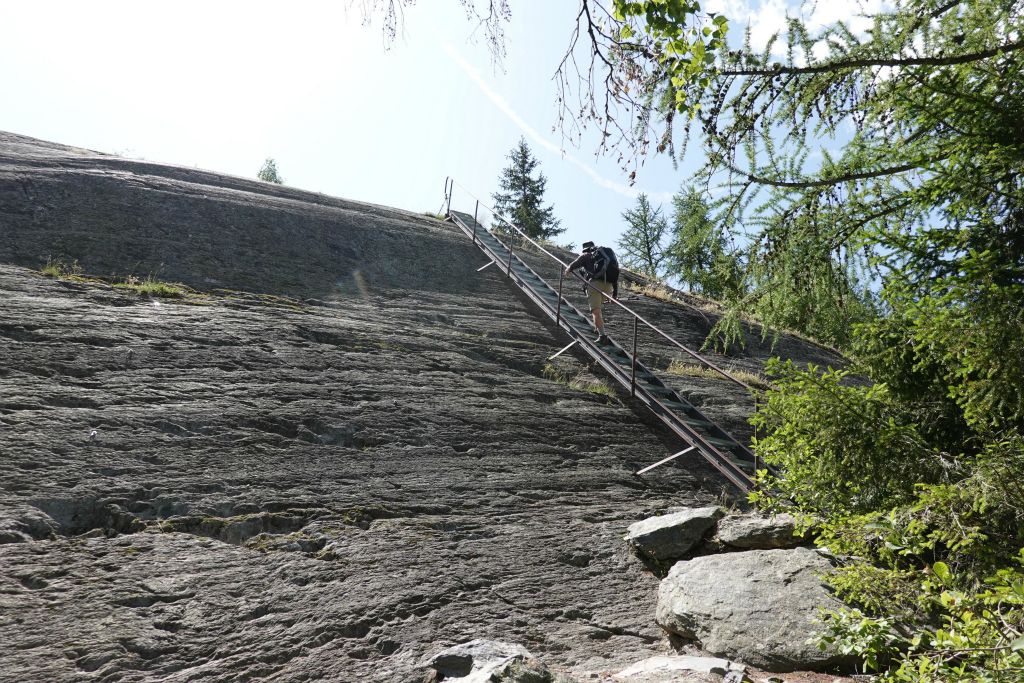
<point x="348" y="461"/>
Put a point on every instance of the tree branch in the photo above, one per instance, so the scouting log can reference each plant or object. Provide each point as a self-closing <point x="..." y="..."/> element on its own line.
<point x="808" y="184"/>
<point x="778" y="69"/>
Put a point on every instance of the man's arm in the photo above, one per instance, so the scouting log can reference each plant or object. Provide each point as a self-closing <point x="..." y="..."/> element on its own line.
<point x="575" y="264"/>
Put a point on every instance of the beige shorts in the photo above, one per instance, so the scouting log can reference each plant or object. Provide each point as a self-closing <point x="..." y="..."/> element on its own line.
<point x="594" y="298"/>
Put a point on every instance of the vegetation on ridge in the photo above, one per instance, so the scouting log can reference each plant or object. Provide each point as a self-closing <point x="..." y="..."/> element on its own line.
<point x="59" y="269"/>
<point x="149" y="286"/>
<point x="269" y="173"/>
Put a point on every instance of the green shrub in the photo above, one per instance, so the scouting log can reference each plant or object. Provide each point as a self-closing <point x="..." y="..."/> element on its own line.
<point x="976" y="635"/>
<point x="842" y="447"/>
<point x="925" y="507"/>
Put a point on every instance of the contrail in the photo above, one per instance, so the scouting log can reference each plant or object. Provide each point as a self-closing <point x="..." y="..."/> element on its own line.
<point x="531" y="132"/>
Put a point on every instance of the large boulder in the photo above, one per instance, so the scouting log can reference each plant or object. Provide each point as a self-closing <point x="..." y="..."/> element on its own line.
<point x="671" y="536"/>
<point x="758" y="607"/>
<point x="754" y="532"/>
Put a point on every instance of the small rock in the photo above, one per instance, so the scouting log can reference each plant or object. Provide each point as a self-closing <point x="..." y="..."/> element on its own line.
<point x="488" y="661"/>
<point x="671" y="536"/>
<point x="736" y="677"/>
<point x="13" y="531"/>
<point x="13" y="536"/>
<point x="93" y="533"/>
<point x="754" y="532"/>
<point x="29" y="522"/>
<point x="669" y="667"/>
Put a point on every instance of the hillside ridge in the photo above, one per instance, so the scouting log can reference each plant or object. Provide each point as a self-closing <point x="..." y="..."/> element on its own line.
<point x="329" y="487"/>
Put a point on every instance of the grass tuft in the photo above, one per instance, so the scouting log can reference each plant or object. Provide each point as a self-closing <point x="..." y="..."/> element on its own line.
<point x="579" y="382"/>
<point x="61" y="269"/>
<point x="151" y="287"/>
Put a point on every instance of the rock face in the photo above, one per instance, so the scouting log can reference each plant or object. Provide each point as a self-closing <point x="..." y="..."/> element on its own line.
<point x="327" y="485"/>
<point x="119" y="216"/>
<point x="671" y="536"/>
<point x="757" y="606"/>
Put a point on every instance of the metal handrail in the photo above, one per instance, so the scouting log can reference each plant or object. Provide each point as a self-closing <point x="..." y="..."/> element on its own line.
<point x="449" y="185"/>
<point x="719" y="458"/>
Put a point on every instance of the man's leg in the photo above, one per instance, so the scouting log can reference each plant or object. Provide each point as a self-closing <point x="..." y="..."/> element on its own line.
<point x="596" y="299"/>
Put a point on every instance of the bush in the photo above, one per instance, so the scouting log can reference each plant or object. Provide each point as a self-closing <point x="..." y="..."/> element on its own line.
<point x="928" y="517"/>
<point x="976" y="634"/>
<point x="843" y="447"/>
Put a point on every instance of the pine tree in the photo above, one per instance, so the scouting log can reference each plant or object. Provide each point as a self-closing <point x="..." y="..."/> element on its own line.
<point x="268" y="173"/>
<point x="522" y="196"/>
<point x="697" y="254"/>
<point x="640" y="244"/>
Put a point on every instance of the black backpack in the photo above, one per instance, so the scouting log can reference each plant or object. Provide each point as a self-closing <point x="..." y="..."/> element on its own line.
<point x="605" y="266"/>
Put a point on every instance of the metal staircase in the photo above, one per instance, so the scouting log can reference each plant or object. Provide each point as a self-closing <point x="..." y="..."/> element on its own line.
<point x="700" y="434"/>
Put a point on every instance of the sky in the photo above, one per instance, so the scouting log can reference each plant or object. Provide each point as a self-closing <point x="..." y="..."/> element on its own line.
<point x="224" y="85"/>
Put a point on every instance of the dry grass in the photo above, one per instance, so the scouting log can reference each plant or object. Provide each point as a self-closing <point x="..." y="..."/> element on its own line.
<point x="680" y="368"/>
<point x="60" y="269"/>
<point x="582" y="381"/>
<point x="661" y="292"/>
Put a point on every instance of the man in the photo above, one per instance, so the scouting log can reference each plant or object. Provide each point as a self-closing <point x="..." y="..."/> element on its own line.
<point x="601" y="270"/>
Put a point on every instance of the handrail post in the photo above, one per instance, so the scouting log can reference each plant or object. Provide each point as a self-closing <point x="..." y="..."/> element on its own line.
<point x="509" y="269"/>
<point x="618" y="303"/>
<point x="632" y="378"/>
<point x="476" y="209"/>
<point x="449" y="185"/>
<point x="558" y="306"/>
<point x="754" y="452"/>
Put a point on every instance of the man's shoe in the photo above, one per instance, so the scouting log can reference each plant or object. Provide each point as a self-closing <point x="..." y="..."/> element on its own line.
<point x="603" y="339"/>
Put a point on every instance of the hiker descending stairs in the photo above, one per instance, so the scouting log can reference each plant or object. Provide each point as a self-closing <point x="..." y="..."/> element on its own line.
<point x="700" y="434"/>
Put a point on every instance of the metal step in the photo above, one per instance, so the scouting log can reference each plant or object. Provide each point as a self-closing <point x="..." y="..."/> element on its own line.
<point x="730" y="457"/>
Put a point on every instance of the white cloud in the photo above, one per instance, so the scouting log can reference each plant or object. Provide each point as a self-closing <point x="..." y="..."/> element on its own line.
<point x="502" y="104"/>
<point x="765" y="19"/>
<point x="856" y="15"/>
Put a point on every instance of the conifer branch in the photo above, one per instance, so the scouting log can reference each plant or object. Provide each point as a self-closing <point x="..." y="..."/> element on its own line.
<point x="781" y="69"/>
